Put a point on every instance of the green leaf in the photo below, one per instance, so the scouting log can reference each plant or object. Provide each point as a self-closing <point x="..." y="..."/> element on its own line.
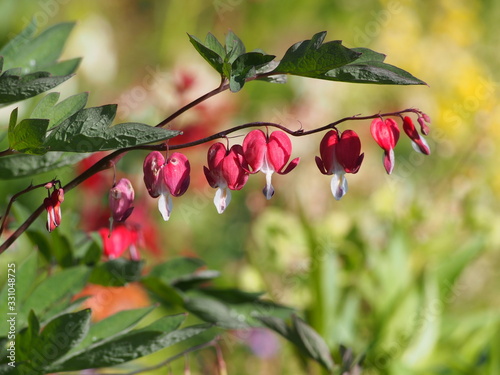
<point x="23" y="165"/>
<point x="1" y="64"/>
<point x="111" y="327"/>
<point x="372" y="72"/>
<point x="37" y="53"/>
<point x="61" y="334"/>
<point x="14" y="88"/>
<point x="234" y="47"/>
<point x="212" y="57"/>
<point x="133" y="345"/>
<point x="27" y="337"/>
<point x="12" y="122"/>
<point x="26" y="276"/>
<point x="176" y="268"/>
<point x="314" y="344"/>
<point x="28" y="136"/>
<point x="213" y="43"/>
<point x="89" y="130"/>
<point x="245" y="66"/>
<point x="19" y="41"/>
<point x="189" y="281"/>
<point x="52" y="290"/>
<point x="116" y="272"/>
<point x="216" y="312"/>
<point x="166" y="294"/>
<point x="312" y="58"/>
<point x="65" y="67"/>
<point x="47" y="108"/>
<point x="303" y="336"/>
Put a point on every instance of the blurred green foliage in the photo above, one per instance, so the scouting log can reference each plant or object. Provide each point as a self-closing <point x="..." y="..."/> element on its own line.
<point x="403" y="270"/>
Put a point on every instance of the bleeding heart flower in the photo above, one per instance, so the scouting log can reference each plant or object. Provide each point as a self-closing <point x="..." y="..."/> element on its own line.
<point x="227" y="170"/>
<point x="339" y="155"/>
<point x="153" y="173"/>
<point x="53" y="206"/>
<point x="268" y="154"/>
<point x="122" y="238"/>
<point x="419" y="144"/>
<point x="386" y="134"/>
<point x="121" y="198"/>
<point x="166" y="179"/>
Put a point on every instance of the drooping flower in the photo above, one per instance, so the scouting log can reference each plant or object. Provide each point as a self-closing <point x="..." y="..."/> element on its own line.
<point x="386" y="134"/>
<point x="53" y="206"/>
<point x="419" y="144"/>
<point x="268" y="154"/>
<point x="227" y="170"/>
<point x="424" y="128"/>
<point x="153" y="173"/>
<point x="339" y="155"/>
<point x="165" y="179"/>
<point x="122" y="238"/>
<point x="121" y="198"/>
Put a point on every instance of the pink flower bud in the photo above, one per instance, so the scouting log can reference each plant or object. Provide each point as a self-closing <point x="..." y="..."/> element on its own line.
<point x="419" y="144"/>
<point x="121" y="198"/>
<point x="424" y="129"/>
<point x="53" y="206"/>
<point x="153" y="173"/>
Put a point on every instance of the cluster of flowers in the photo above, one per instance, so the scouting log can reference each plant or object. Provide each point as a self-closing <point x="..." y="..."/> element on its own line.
<point x="229" y="169"/>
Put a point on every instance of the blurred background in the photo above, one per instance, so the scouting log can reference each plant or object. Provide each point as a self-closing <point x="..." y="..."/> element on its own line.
<point x="405" y="269"/>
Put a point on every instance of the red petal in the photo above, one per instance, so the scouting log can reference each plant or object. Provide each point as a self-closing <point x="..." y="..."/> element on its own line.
<point x="232" y="170"/>
<point x="279" y="149"/>
<point x="115" y="244"/>
<point x="412" y="132"/>
<point x="215" y="155"/>
<point x="254" y="148"/>
<point x="176" y="174"/>
<point x="385" y="133"/>
<point x="348" y="151"/>
<point x="290" y="167"/>
<point x="212" y="180"/>
<point x="320" y="165"/>
<point x="327" y="150"/>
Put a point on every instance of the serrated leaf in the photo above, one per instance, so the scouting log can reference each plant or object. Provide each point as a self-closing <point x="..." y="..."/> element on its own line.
<point x="19" y="41"/>
<point x="23" y="165"/>
<point x="316" y="347"/>
<point x="116" y="272"/>
<point x="52" y="291"/>
<point x="115" y="325"/>
<point x="312" y="58"/>
<point x="39" y="52"/>
<point x="213" y="43"/>
<point x="89" y="130"/>
<point x="12" y="121"/>
<point x="28" y="136"/>
<point x="48" y="108"/>
<point x="63" y="333"/>
<point x="133" y="345"/>
<point x="14" y="88"/>
<point x="234" y="47"/>
<point x="210" y="56"/>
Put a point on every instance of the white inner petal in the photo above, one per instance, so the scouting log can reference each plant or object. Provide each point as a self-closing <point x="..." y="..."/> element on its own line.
<point x="338" y="185"/>
<point x="222" y="199"/>
<point x="165" y="205"/>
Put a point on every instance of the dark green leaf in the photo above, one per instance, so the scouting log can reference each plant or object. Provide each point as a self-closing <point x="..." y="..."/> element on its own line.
<point x="312" y="58"/>
<point x="14" y="88"/>
<point x="52" y="290"/>
<point x="115" y="325"/>
<point x="277" y="325"/>
<point x="40" y="239"/>
<point x="22" y="165"/>
<point x="93" y="250"/>
<point x="213" y="43"/>
<point x="89" y="130"/>
<point x="28" y="136"/>
<point x="19" y="41"/>
<point x="210" y="56"/>
<point x="232" y="296"/>
<point x="234" y="47"/>
<point x="189" y="281"/>
<point x="27" y="337"/>
<point x="12" y="123"/>
<point x="165" y="324"/>
<point x="116" y="272"/>
<point x="133" y="345"/>
<point x="26" y="276"/>
<point x="245" y="66"/>
<point x="372" y="72"/>
<point x="314" y="344"/>
<point x="37" y="53"/>
<point x="1" y="64"/>
<point x="61" y="334"/>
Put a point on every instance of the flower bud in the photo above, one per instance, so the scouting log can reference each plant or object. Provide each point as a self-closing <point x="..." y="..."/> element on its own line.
<point x="121" y="198"/>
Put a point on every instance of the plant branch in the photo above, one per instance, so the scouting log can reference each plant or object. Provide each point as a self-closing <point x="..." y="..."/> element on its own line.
<point x="110" y="160"/>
